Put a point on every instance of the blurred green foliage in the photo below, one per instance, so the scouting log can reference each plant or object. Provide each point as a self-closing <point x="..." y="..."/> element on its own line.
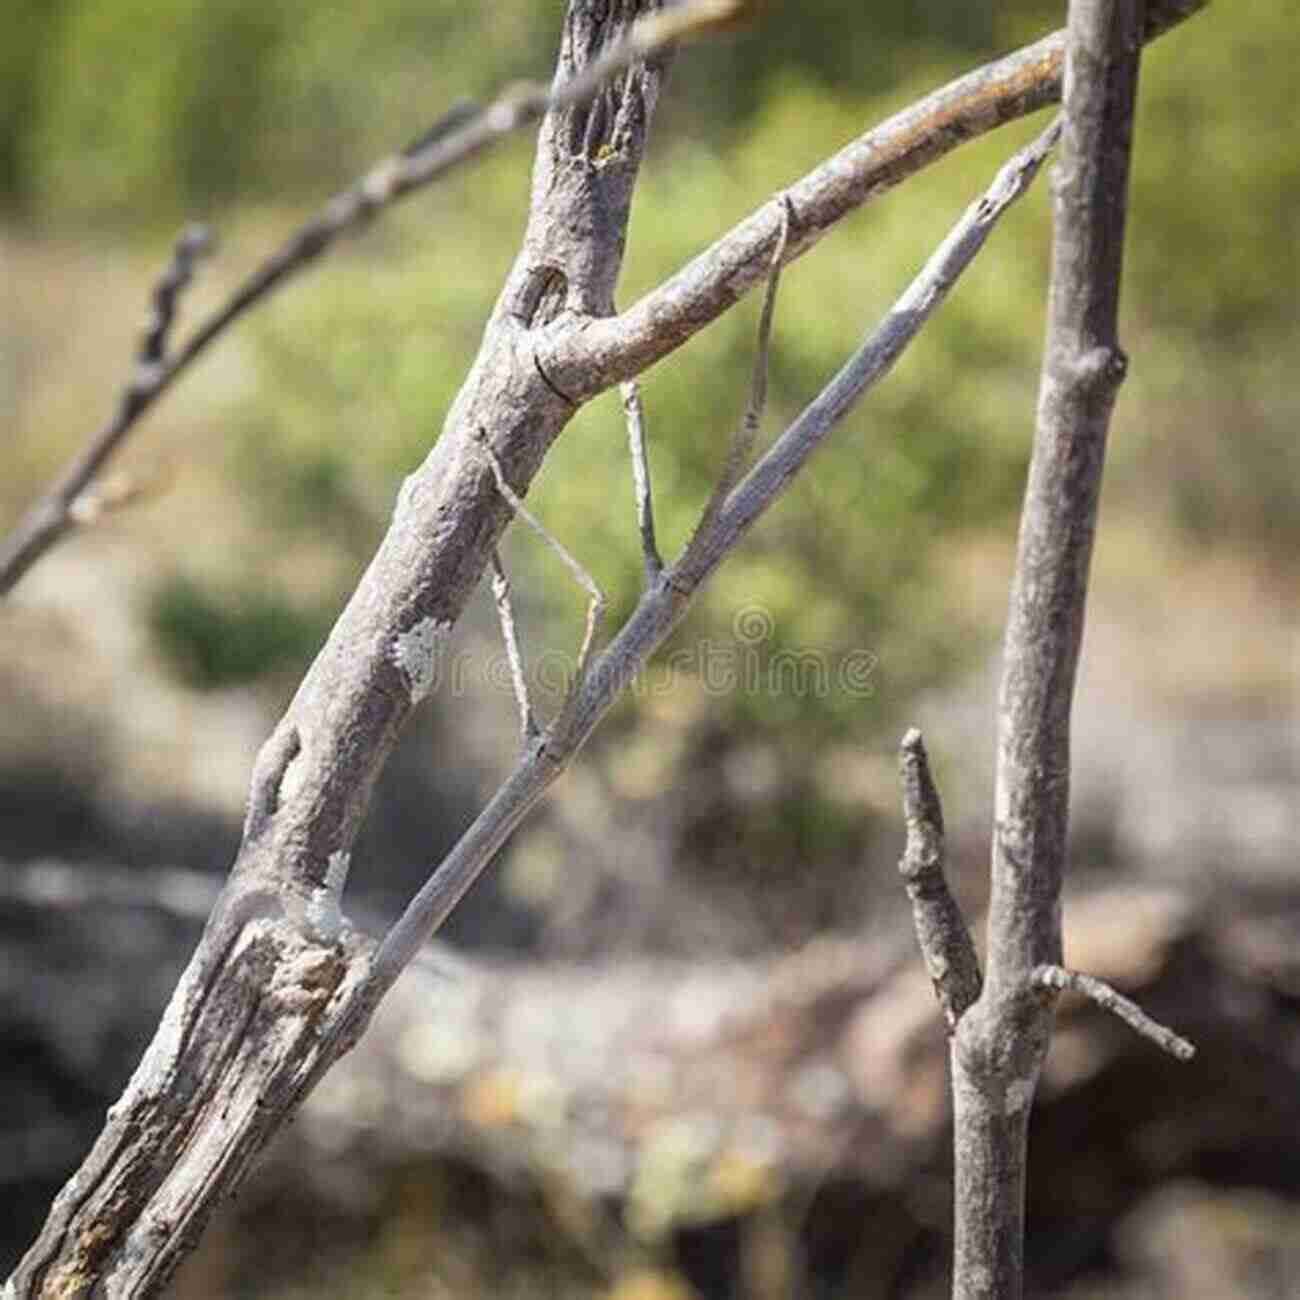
<point x="132" y="110"/>
<point x="219" y="637"/>
<point x="126" y="111"/>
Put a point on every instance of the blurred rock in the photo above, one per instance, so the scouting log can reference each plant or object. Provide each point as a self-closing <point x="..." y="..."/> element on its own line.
<point x="692" y="1099"/>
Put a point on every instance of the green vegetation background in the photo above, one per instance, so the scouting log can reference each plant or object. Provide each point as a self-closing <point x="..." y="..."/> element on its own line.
<point x="121" y="118"/>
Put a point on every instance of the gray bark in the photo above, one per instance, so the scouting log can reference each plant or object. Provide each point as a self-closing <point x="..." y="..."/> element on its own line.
<point x="1000" y="1043"/>
<point x="282" y="985"/>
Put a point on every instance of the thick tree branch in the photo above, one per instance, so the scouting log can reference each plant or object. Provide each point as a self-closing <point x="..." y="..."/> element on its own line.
<point x="1000" y="1043"/>
<point x="276" y="940"/>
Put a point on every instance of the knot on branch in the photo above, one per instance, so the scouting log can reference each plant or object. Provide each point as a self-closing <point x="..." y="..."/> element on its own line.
<point x="1101" y="369"/>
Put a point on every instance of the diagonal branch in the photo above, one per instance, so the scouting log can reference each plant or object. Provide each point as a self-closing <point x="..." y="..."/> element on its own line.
<point x="62" y="508"/>
<point x="1056" y="979"/>
<point x="613" y="350"/>
<point x="459" y="136"/>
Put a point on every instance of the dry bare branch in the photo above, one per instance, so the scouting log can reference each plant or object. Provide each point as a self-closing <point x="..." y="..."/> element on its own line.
<point x="595" y="597"/>
<point x="645" y="511"/>
<point x="613" y="350"/>
<point x="67" y="505"/>
<point x="1001" y="1041"/>
<point x="506" y="615"/>
<point x="1056" y="979"/>
<point x="941" y="930"/>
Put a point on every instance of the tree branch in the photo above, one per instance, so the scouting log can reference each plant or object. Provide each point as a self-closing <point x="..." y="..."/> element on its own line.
<point x="1056" y="979"/>
<point x="280" y="984"/>
<point x="610" y="351"/>
<point x="63" y="507"/>
<point x="941" y="931"/>
<point x="1000" y="1043"/>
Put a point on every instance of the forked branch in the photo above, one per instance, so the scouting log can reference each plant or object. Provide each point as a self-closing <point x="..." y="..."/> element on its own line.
<point x="1001" y="1041"/>
<point x="667" y="598"/>
<point x="621" y="347"/>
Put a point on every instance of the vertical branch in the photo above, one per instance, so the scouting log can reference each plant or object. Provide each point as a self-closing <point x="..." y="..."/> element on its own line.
<point x="645" y="510"/>
<point x="1082" y="370"/>
<point x="999" y="1047"/>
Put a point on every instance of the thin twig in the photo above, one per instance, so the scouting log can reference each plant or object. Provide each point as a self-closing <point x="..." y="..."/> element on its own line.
<point x="1057" y="979"/>
<point x="746" y="432"/>
<point x="195" y="241"/>
<point x="941" y="930"/>
<point x="451" y="141"/>
<point x="461" y="113"/>
<point x="645" y="512"/>
<point x="506" y="615"/>
<point x="595" y="597"/>
<point x="64" y="506"/>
